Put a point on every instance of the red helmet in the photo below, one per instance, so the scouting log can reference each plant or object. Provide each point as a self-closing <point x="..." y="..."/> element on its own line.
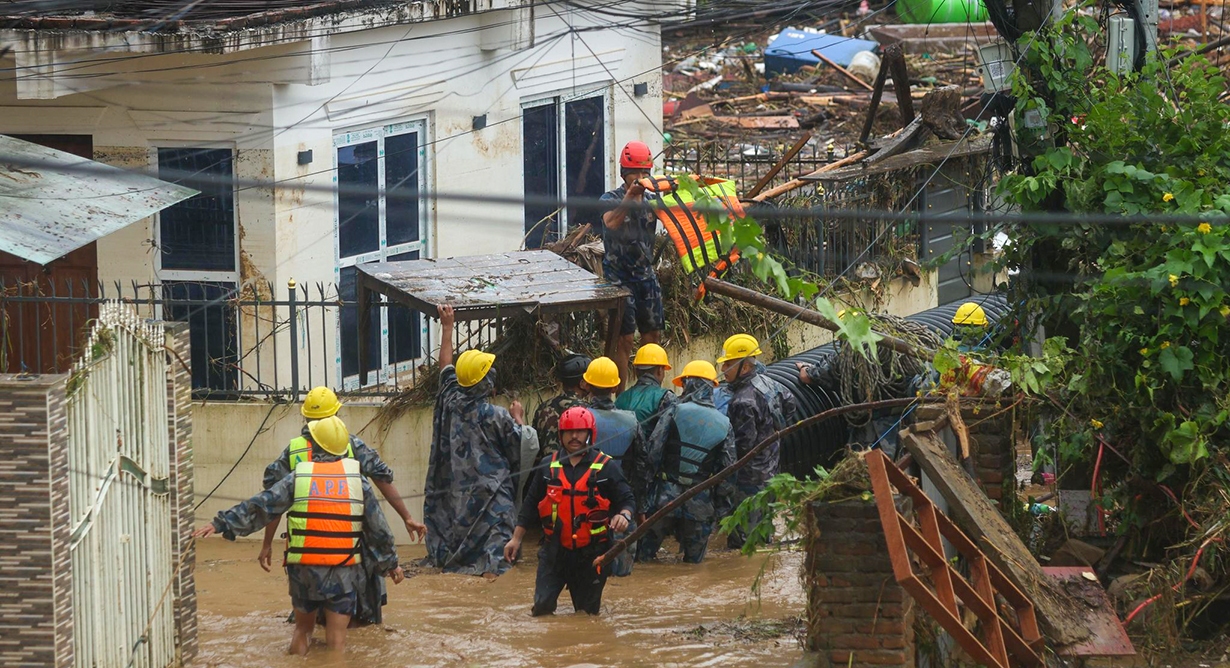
<point x="579" y="417"/>
<point x="636" y="155"/>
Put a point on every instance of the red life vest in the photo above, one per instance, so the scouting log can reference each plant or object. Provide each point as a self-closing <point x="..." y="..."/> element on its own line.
<point x="577" y="511"/>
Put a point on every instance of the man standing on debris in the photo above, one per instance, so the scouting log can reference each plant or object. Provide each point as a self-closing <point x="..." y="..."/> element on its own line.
<point x="759" y="406"/>
<point x="335" y="528"/>
<point x="628" y="236"/>
<point x="579" y="499"/>
<point x="472" y="469"/>
<point x="647" y="398"/>
<point x="692" y="442"/>
<point x="320" y="403"/>
<point x="546" y="419"/>
<point x="618" y="436"/>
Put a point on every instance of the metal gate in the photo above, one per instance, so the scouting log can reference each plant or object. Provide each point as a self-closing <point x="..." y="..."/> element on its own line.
<point x="120" y="508"/>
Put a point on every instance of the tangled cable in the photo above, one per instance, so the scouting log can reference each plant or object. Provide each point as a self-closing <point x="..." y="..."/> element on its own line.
<point x="861" y="380"/>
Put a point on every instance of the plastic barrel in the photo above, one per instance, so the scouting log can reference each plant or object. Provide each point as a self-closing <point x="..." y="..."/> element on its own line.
<point x="941" y="11"/>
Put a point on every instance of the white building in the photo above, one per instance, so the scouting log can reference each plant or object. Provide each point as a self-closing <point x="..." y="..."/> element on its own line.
<point x="288" y="98"/>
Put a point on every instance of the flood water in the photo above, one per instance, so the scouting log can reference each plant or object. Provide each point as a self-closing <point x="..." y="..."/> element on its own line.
<point x="668" y="614"/>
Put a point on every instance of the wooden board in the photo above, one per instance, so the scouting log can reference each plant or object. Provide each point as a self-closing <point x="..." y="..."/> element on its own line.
<point x="1058" y="612"/>
<point x="759" y="122"/>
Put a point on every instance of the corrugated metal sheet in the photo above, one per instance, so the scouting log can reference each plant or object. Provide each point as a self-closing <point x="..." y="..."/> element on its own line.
<point x="52" y="202"/>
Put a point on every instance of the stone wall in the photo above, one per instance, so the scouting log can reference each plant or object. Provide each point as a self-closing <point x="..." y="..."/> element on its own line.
<point x="183" y="500"/>
<point x="36" y="615"/>
<point x="991" y="448"/>
<point x="857" y="613"/>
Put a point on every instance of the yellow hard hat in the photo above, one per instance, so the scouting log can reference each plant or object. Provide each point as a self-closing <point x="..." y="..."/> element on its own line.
<point x="970" y="313"/>
<point x="330" y="434"/>
<point x="651" y="354"/>
<point x="320" y="402"/>
<point x="739" y="346"/>
<point x="697" y="369"/>
<point x="602" y="373"/>
<point x="472" y="366"/>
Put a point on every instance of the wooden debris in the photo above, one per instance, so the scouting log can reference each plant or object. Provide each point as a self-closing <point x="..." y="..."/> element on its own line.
<point x="759" y="122"/>
<point x="844" y="72"/>
<point x="941" y="113"/>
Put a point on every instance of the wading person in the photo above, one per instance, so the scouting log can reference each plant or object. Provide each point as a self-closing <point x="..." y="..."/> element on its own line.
<point x="693" y="441"/>
<point x="320" y="403"/>
<point x="578" y="500"/>
<point x="759" y="406"/>
<point x="472" y="469"/>
<point x="628" y="232"/>
<point x="334" y="527"/>
<point x="618" y="437"/>
<point x="569" y="371"/>
<point x="647" y="398"/>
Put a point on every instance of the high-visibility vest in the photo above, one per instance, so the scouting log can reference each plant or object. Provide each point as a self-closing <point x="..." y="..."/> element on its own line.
<point x="577" y="512"/>
<point x="696" y="244"/>
<point x="324" y="525"/>
<point x="695" y="433"/>
<point x="301" y="451"/>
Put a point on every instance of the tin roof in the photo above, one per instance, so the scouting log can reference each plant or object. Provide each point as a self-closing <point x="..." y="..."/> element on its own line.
<point x="52" y="202"/>
<point x="487" y="286"/>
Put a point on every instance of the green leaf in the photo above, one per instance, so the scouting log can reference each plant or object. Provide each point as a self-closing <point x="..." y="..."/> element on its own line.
<point x="1175" y="360"/>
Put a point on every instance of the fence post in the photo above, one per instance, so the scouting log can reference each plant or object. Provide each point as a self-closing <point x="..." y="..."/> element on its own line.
<point x="294" y="343"/>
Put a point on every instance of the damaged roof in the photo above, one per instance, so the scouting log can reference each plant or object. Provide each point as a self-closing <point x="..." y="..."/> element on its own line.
<point x="52" y="202"/>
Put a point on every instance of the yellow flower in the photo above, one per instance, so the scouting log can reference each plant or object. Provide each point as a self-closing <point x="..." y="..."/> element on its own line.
<point x="1167" y="197"/>
<point x="1144" y="351"/>
<point x="1204" y="228"/>
<point x="1199" y="172"/>
<point x="1097" y="424"/>
<point x="1165" y="345"/>
<point x="1184" y="301"/>
<point x="1224" y="311"/>
<point x="1174" y="280"/>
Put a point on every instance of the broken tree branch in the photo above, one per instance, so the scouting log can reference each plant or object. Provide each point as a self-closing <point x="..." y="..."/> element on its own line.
<point x="781" y="164"/>
<point x="800" y="182"/>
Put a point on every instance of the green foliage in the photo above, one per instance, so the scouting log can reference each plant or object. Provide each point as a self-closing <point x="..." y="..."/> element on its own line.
<point x="853" y="327"/>
<point x="1147" y="303"/>
<point x="783" y="497"/>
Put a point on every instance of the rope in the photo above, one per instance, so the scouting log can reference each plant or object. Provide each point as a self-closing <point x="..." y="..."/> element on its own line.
<point x="861" y="380"/>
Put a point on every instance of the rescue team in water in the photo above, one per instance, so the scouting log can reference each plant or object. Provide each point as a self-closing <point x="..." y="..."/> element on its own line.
<point x="603" y="462"/>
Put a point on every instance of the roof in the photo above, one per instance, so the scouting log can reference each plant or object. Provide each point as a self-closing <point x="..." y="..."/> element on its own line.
<point x="52" y="202"/>
<point x="168" y="15"/>
<point x="487" y="286"/>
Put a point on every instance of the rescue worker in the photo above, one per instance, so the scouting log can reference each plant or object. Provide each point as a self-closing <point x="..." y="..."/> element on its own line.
<point x="647" y="398"/>
<point x="334" y="527"/>
<point x="578" y="500"/>
<point x="473" y="465"/>
<point x="618" y="437"/>
<point x="546" y="419"/>
<point x="628" y="233"/>
<point x="970" y="328"/>
<point x="759" y="406"/>
<point x="693" y="442"/>
<point x="320" y="403"/>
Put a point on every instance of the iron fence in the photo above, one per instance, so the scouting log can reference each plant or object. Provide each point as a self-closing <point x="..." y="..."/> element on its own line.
<point x="743" y="163"/>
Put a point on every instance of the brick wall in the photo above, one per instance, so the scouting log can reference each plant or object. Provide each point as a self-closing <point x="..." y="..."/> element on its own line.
<point x="179" y="433"/>
<point x="36" y="620"/>
<point x="855" y="606"/>
<point x="991" y="448"/>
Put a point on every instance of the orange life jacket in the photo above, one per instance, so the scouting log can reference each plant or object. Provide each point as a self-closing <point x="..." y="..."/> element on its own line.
<point x="324" y="525"/>
<point x="696" y="244"/>
<point x="968" y="377"/>
<point x="576" y="511"/>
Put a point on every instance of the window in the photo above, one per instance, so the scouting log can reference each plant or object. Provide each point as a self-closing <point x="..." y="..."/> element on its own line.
<point x="380" y="173"/>
<point x="198" y="265"/>
<point x="564" y="156"/>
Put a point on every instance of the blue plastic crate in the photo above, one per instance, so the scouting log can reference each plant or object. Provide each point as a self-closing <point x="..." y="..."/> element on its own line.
<point x="792" y="49"/>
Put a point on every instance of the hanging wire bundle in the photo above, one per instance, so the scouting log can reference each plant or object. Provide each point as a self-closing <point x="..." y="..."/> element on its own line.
<point x="891" y="374"/>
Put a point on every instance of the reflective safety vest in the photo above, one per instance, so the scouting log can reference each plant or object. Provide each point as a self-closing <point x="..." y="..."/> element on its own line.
<point x="301" y="451"/>
<point x="697" y="246"/>
<point x="642" y="400"/>
<point x="616" y="431"/>
<point x="325" y="523"/>
<point x="967" y="377"/>
<point x="695" y="433"/>
<point x="576" y="511"/>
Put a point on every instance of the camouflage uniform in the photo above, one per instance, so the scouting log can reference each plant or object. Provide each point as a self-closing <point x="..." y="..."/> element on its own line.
<point x="759" y="406"/>
<point x="632" y="462"/>
<point x="546" y="422"/>
<point x="373" y="597"/>
<point x="691" y="523"/>
<point x="471" y="478"/>
<point x="337" y="587"/>
<point x="628" y="261"/>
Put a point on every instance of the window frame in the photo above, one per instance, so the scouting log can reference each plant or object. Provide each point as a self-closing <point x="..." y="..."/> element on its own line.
<point x="561" y="99"/>
<point x="342" y="138"/>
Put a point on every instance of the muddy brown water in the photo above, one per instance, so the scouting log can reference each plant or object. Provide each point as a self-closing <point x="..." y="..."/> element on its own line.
<point x="668" y="614"/>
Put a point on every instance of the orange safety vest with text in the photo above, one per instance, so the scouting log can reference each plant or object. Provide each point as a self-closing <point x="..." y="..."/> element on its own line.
<point x="696" y="244"/>
<point x="324" y="525"/>
<point x="577" y="512"/>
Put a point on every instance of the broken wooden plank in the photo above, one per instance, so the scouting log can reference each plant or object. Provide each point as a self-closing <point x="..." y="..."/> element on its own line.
<point x="841" y="70"/>
<point x="900" y="143"/>
<point x="1058" y="612"/>
<point x="794" y="150"/>
<point x="804" y="180"/>
<point x="759" y="122"/>
<point x="699" y="111"/>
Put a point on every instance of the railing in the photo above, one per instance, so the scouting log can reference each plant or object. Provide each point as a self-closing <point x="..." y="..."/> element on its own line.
<point x="745" y="164"/>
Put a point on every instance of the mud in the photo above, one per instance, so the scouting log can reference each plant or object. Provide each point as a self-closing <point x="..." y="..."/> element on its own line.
<point x="670" y="614"/>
